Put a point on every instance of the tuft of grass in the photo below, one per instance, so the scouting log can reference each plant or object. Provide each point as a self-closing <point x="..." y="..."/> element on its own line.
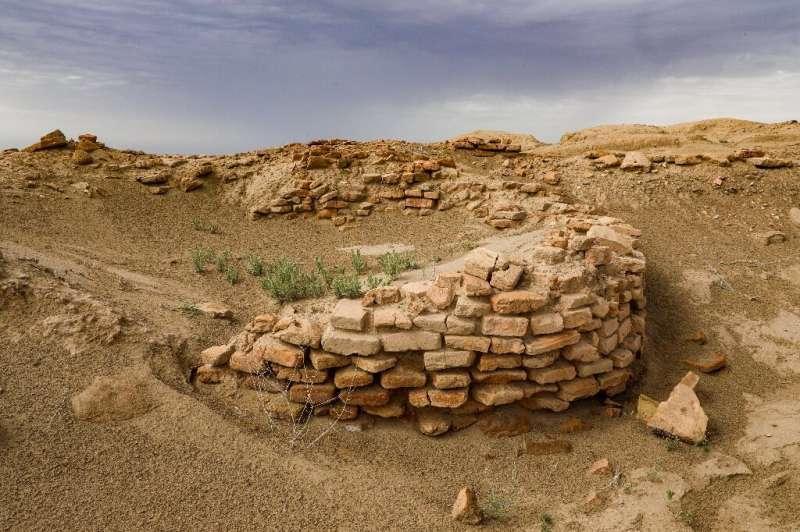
<point x="190" y="309"/>
<point x="346" y="285"/>
<point x="254" y="265"/>
<point x="495" y="507"/>
<point x="286" y="281"/>
<point x="205" y="227"/>
<point x="393" y="263"/>
<point x="546" y="522"/>
<point x="374" y="281"/>
<point x="201" y="257"/>
<point x="323" y="271"/>
<point x="670" y="495"/>
<point x="231" y="274"/>
<point x="223" y="261"/>
<point x="358" y="262"/>
<point x="672" y="444"/>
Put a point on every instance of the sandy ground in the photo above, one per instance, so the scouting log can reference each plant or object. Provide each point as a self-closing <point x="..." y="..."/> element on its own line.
<point x="95" y="288"/>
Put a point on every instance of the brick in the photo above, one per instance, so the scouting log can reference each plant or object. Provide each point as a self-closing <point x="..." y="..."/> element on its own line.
<point x="609" y="327"/>
<point x="606" y="236"/>
<point x="365" y="396"/>
<point x="613" y="379"/>
<point x="600" y="308"/>
<point x="448" y="398"/>
<point x="507" y="279"/>
<point x="559" y="371"/>
<point x="480" y="262"/>
<point x="547" y="323"/>
<point x="475" y="286"/>
<point x="497" y="394"/>
<point x="391" y="318"/>
<point x="550" y="342"/>
<point x="432" y="322"/>
<point x="502" y="345"/>
<point x="531" y="388"/>
<point x="420" y="203"/>
<point x="396" y="407"/>
<point x="350" y="343"/>
<point x="577" y="317"/>
<point x="440" y="296"/>
<point x="404" y="375"/>
<point x="382" y="295"/>
<point x="500" y="376"/>
<point x="607" y="345"/>
<point x="582" y="351"/>
<point x="541" y="360"/>
<point x="418" y="398"/>
<point x="468" y="343"/>
<point x="308" y="375"/>
<point x="519" y="301"/>
<point x="625" y="328"/>
<point x="217" y="355"/>
<point x="546" y="401"/>
<point x="351" y="376"/>
<point x="471" y="307"/>
<point x="493" y="362"/>
<point x="323" y="360"/>
<point x="436" y="360"/>
<point x="459" y="326"/>
<point x="343" y="412"/>
<point x="587" y="369"/>
<point x="312" y="393"/>
<point x="375" y="363"/>
<point x="633" y="342"/>
<point x="416" y="340"/>
<point x="349" y="314"/>
<point x="452" y="378"/>
<point x="573" y="301"/>
<point x="495" y="325"/>
<point x="274" y="350"/>
<point x="577" y="389"/>
<point x="621" y="357"/>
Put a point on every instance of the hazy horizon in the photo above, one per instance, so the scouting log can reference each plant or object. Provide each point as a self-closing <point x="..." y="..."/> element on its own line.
<point x="201" y="76"/>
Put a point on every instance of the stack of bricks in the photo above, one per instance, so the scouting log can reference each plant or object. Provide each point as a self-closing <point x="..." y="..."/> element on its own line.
<point x="558" y="320"/>
<point x="491" y="145"/>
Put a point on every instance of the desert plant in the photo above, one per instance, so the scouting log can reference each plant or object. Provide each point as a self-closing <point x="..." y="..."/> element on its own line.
<point x="200" y="257"/>
<point x="231" y="274"/>
<point x="546" y="522"/>
<point x="346" y="285"/>
<point x="205" y="227"/>
<point x="393" y="263"/>
<point x="254" y="265"/>
<point x="286" y="281"/>
<point x="495" y="507"/>
<point x="359" y="264"/>
<point x="374" y="281"/>
<point x="222" y="261"/>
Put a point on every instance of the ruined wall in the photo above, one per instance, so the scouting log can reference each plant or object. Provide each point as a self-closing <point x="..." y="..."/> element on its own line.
<point x="551" y="317"/>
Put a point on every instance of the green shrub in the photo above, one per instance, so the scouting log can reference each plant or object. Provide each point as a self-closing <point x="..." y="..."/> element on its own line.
<point x="222" y="261"/>
<point x="359" y="264"/>
<point x="231" y="274"/>
<point x="496" y="507"/>
<point x="200" y="257"/>
<point x="346" y="285"/>
<point x="393" y="263"/>
<point x="190" y="309"/>
<point x="374" y="281"/>
<point x="286" y="281"/>
<point x="254" y="265"/>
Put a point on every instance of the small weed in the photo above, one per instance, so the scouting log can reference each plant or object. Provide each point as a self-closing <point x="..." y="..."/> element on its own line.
<point x="346" y="285"/>
<point x="705" y="445"/>
<point x="254" y="265"/>
<point x="222" y="261"/>
<point x="374" y="281"/>
<point x="206" y="227"/>
<point x="359" y="264"/>
<point x="200" y="257"/>
<point x="190" y="309"/>
<point x="231" y="274"/>
<point x="496" y="507"/>
<point x="392" y="264"/>
<point x="670" y="495"/>
<point x="686" y="516"/>
<point x="323" y="271"/>
<point x="672" y="444"/>
<point x="546" y="522"/>
<point x="286" y="281"/>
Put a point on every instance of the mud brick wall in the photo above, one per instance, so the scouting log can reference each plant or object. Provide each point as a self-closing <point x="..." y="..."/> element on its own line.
<point x="557" y="319"/>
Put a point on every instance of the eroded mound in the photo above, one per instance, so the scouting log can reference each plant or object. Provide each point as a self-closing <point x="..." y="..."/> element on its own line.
<point x="544" y="319"/>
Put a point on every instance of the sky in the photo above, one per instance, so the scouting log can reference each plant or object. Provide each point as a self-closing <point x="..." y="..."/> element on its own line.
<point x="217" y="76"/>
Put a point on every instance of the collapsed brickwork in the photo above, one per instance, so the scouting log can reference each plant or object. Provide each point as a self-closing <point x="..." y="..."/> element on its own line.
<point x="541" y="319"/>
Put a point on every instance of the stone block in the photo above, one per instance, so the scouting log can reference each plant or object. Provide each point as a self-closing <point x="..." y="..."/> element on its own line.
<point x="448" y="358"/>
<point x="351" y="376"/>
<point x="559" y="371"/>
<point x="375" y="363"/>
<point x="459" y="326"/>
<point x="495" y="325"/>
<point x="468" y="343"/>
<point x="587" y="369"/>
<point x="546" y="323"/>
<point x="274" y="350"/>
<point x="416" y="340"/>
<point x="451" y="378"/>
<point x="471" y="307"/>
<point x="491" y="362"/>
<point x="551" y="342"/>
<point x="448" y="398"/>
<point x="507" y="279"/>
<point x="541" y="360"/>
<point x="579" y="388"/>
<point x="500" y="376"/>
<point x="350" y="343"/>
<point x="497" y="394"/>
<point x="349" y="314"/>
<point x="365" y="396"/>
<point x="501" y="345"/>
<point x="519" y="301"/>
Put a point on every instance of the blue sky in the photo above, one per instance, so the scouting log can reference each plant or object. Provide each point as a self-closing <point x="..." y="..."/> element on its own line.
<point x="226" y="75"/>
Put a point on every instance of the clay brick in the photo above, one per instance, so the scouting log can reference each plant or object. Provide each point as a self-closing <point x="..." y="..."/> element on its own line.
<point x="471" y="307"/>
<point x="312" y="393"/>
<point x="366" y="396"/>
<point x="582" y="351"/>
<point x="495" y="325"/>
<point x="541" y="360"/>
<point x="621" y="357"/>
<point x="468" y="343"/>
<point x="274" y="350"/>
<point x="448" y="358"/>
<point x="323" y="360"/>
<point x="519" y="301"/>
<point x="613" y="379"/>
<point x="351" y="376"/>
<point x="309" y="375"/>
<point x="459" y="326"/>
<point x="350" y="343"/>
<point x="432" y="322"/>
<point x="411" y="341"/>
<point x="547" y="323"/>
<point x="500" y="376"/>
<point x="502" y="345"/>
<point x="452" y="378"/>
<point x="448" y="398"/>
<point x="507" y="279"/>
<point x="493" y="362"/>
<point x="559" y="371"/>
<point x="475" y="286"/>
<point x="375" y="363"/>
<point x="577" y="317"/>
<point x="550" y="342"/>
<point x="577" y="389"/>
<point x="587" y="369"/>
<point x="497" y="394"/>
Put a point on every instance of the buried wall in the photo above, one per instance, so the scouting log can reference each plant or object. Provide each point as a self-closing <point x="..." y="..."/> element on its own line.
<point x="543" y="319"/>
